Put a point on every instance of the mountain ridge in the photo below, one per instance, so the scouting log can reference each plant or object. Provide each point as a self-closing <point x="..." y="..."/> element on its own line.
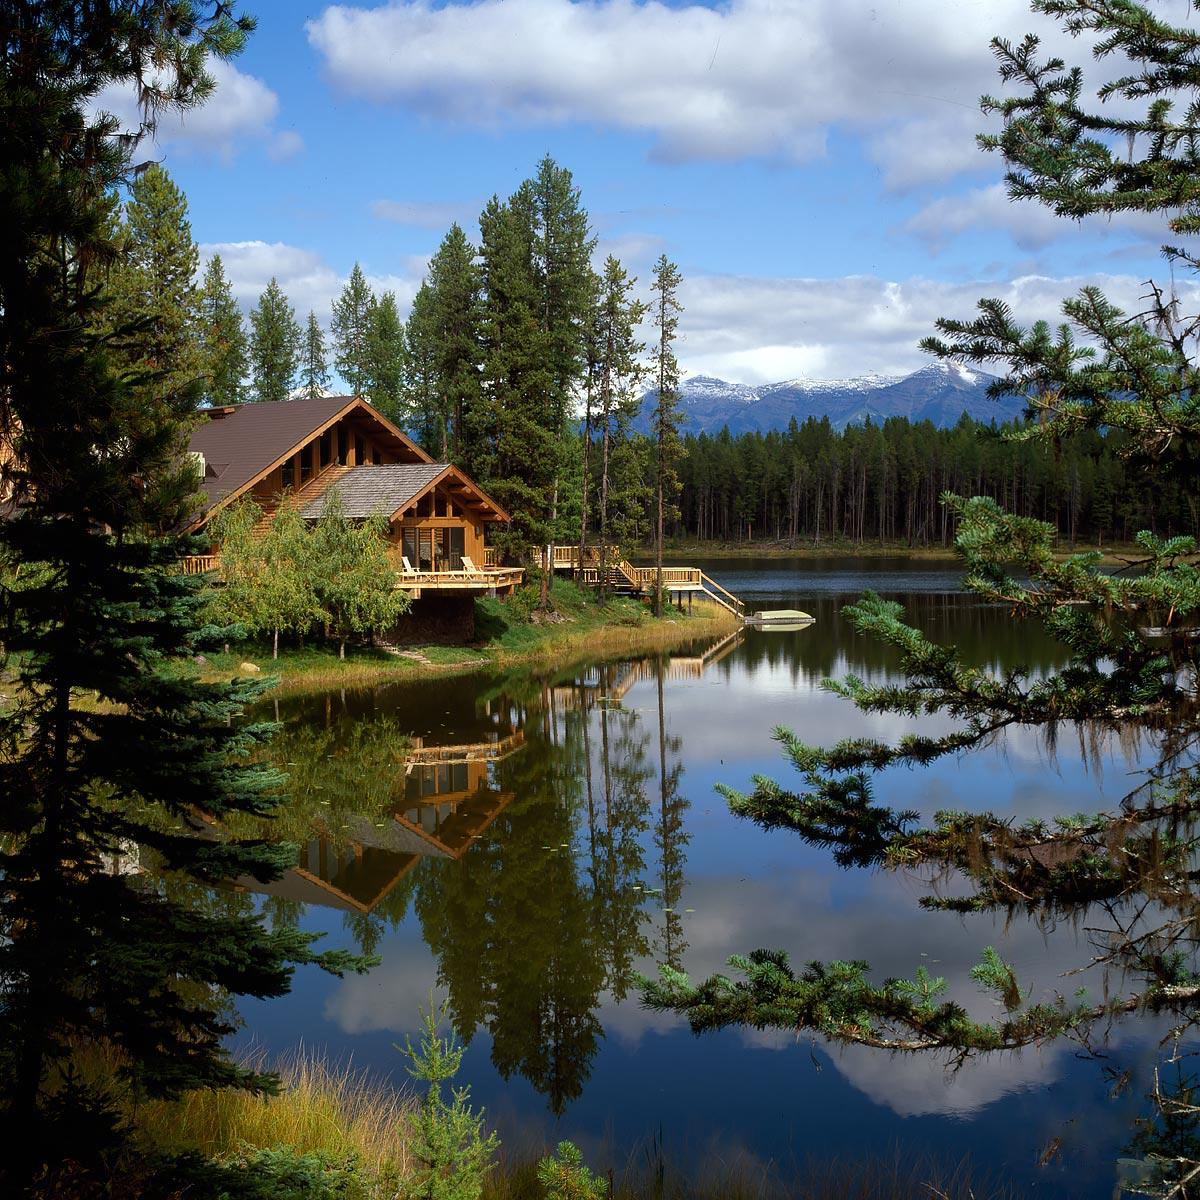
<point x="940" y="392"/>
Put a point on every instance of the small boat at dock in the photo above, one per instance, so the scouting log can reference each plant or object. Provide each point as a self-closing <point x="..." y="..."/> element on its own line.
<point x="780" y="620"/>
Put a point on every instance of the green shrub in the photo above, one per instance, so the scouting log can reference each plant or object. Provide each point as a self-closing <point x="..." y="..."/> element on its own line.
<point x="446" y="1140"/>
<point x="564" y="1177"/>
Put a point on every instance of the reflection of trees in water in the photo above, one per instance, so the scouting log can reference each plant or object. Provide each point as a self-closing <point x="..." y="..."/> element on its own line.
<point x="982" y="632"/>
<point x="670" y="835"/>
<point x="511" y="928"/>
<point x="545" y="912"/>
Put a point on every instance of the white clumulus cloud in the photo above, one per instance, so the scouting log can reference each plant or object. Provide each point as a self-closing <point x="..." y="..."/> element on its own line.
<point x="761" y="330"/>
<point x="307" y="279"/>
<point x="241" y="111"/>
<point x="745" y="329"/>
<point x="1031" y="225"/>
<point x="751" y="78"/>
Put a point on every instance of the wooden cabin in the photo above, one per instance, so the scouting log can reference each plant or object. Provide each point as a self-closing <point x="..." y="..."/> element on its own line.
<point x="307" y="449"/>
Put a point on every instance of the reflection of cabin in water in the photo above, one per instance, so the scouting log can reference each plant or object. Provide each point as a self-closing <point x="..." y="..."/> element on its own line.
<point x="448" y="804"/>
<point x="307" y="450"/>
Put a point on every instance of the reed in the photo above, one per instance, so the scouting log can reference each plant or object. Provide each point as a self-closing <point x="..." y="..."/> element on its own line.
<point x="322" y="1107"/>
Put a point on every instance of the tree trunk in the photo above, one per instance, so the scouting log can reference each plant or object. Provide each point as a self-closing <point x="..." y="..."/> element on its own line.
<point x="275" y="644"/>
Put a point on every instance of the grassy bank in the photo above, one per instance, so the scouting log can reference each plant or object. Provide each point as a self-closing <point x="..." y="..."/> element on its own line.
<point x="351" y="1133"/>
<point x="508" y="633"/>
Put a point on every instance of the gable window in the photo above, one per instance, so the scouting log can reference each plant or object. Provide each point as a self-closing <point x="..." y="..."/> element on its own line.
<point x="305" y="465"/>
<point x="343" y="444"/>
<point x="326" y="448"/>
<point x="360" y="450"/>
<point x="289" y="473"/>
<point x="375" y="457"/>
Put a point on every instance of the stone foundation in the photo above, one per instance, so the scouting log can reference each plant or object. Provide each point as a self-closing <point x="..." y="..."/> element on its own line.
<point x="445" y="619"/>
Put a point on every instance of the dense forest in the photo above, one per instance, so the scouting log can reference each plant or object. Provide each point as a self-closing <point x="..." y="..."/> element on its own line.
<point x="882" y="482"/>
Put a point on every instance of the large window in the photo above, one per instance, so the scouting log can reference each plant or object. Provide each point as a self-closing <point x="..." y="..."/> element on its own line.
<point x="305" y="465"/>
<point x="326" y="448"/>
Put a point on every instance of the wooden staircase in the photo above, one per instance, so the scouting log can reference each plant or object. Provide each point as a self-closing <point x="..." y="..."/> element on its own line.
<point x="314" y="489"/>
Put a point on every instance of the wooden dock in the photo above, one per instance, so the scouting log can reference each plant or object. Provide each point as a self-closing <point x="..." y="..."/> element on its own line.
<point x="623" y="576"/>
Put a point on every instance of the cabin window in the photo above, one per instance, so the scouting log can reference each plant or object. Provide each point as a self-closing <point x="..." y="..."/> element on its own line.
<point x="305" y="465"/>
<point x="375" y="456"/>
<point x="425" y="549"/>
<point x="360" y="450"/>
<point x="408" y="540"/>
<point x="288" y="474"/>
<point x="326" y="448"/>
<point x="343" y="444"/>
<point x="450" y="548"/>
<point x="439" y="505"/>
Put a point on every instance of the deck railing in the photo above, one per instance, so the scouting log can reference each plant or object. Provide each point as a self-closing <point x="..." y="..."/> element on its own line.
<point x="199" y="564"/>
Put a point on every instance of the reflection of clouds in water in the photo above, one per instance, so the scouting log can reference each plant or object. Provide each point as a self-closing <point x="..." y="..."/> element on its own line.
<point x="390" y="996"/>
<point x="914" y="1085"/>
<point x="880" y="923"/>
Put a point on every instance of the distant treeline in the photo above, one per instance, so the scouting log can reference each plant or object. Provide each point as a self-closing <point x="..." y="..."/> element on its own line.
<point x="882" y="482"/>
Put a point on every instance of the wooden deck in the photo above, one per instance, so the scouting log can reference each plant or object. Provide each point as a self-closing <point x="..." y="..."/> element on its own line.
<point x="501" y="580"/>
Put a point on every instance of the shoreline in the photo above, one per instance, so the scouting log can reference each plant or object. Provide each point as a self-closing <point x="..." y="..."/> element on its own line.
<point x="681" y="552"/>
<point x="618" y="628"/>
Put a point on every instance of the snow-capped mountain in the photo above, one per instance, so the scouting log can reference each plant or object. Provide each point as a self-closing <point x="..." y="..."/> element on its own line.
<point x="940" y="392"/>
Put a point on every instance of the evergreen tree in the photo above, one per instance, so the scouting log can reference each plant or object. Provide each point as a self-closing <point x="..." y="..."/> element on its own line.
<point x="275" y="341"/>
<point x="562" y="250"/>
<point x="153" y="282"/>
<point x="517" y="416"/>
<point x="223" y="345"/>
<point x="351" y="332"/>
<point x="664" y="421"/>
<point x="454" y="282"/>
<point x="314" y="371"/>
<point x="424" y="401"/>
<point x="619" y="372"/>
<point x="1132" y="657"/>
<point x="94" y="605"/>
<point x="385" y="357"/>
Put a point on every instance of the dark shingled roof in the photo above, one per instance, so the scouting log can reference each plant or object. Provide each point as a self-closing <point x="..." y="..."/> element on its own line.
<point x="368" y="489"/>
<point x="237" y="447"/>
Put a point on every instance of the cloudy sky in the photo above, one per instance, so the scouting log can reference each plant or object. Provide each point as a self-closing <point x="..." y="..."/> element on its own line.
<point x="810" y="164"/>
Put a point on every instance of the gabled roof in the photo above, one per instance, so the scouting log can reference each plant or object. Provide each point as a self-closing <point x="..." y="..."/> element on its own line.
<point x="392" y="487"/>
<point x="371" y="489"/>
<point x="243" y="443"/>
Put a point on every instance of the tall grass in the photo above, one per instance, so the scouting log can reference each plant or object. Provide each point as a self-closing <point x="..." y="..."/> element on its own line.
<point x="648" y="1175"/>
<point x="343" y="1113"/>
<point x="321" y="1107"/>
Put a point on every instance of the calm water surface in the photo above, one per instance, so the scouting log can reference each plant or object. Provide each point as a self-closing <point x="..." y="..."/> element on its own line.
<point x="525" y="843"/>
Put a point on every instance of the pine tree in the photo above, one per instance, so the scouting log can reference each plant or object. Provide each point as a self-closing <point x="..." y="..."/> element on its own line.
<point x="619" y="372"/>
<point x="454" y="283"/>
<point x="275" y="341"/>
<point x="424" y="401"/>
<point x="351" y="332"/>
<point x="153" y="284"/>
<point x="314" y="371"/>
<point x="516" y="421"/>
<point x="93" y="605"/>
<point x="385" y="357"/>
<point x="224" y="349"/>
<point x="1129" y="640"/>
<point x="562" y="250"/>
<point x="664" y="421"/>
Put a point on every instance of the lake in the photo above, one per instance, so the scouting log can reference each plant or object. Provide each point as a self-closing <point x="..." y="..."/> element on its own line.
<point x="525" y="843"/>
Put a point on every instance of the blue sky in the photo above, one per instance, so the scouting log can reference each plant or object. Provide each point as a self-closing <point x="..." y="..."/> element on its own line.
<point x="810" y="164"/>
